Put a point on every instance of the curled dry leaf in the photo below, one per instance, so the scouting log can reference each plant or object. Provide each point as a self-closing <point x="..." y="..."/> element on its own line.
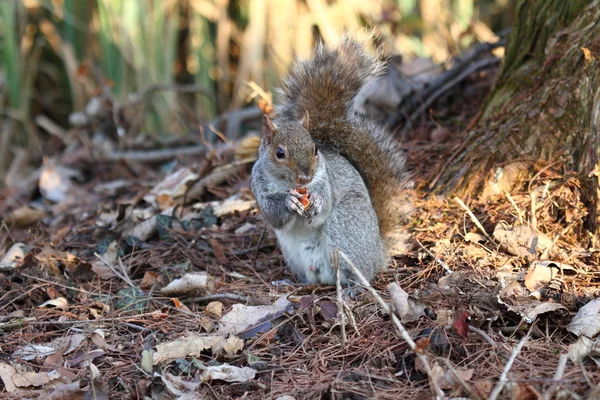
<point x="522" y="241"/>
<point x="228" y="206"/>
<point x="24" y="216"/>
<point x="173" y="188"/>
<point x="59" y="302"/>
<point x="228" y="373"/>
<point x="446" y="379"/>
<point x="587" y="320"/>
<point x="13" y="256"/>
<point x="583" y="348"/>
<point x="529" y="308"/>
<point x="408" y="308"/>
<point x="190" y="283"/>
<point x="242" y="318"/>
<point x="55" y="181"/>
<point x="540" y="273"/>
<point x="193" y="346"/>
<point x="214" y="308"/>
<point x="6" y="374"/>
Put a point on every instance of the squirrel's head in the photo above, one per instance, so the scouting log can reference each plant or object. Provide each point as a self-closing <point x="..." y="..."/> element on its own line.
<point x="291" y="150"/>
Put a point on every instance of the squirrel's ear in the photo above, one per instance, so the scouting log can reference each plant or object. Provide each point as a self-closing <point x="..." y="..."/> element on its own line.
<point x="269" y="129"/>
<point x="305" y="120"/>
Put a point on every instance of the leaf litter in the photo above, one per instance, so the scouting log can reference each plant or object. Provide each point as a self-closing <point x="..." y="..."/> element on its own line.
<point x="159" y="284"/>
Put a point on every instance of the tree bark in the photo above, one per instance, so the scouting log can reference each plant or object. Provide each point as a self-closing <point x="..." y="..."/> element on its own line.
<point x="545" y="107"/>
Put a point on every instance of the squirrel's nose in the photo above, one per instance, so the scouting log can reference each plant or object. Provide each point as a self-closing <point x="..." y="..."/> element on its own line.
<point x="302" y="180"/>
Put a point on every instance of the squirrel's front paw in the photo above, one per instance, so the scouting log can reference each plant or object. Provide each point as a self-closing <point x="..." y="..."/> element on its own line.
<point x="316" y="206"/>
<point x="292" y="202"/>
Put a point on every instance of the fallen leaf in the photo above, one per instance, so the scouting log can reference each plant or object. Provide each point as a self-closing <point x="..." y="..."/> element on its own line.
<point x="193" y="345"/>
<point x="60" y="303"/>
<point x="147" y="361"/>
<point x="14" y="256"/>
<point x="26" y="379"/>
<point x="581" y="349"/>
<point x="408" y="308"/>
<point x="64" y="391"/>
<point x="522" y="241"/>
<point x="218" y="250"/>
<point x="329" y="309"/>
<point x="109" y="256"/>
<point x="6" y="374"/>
<point x="31" y="351"/>
<point x="529" y="308"/>
<point x="55" y="181"/>
<point x="24" y="216"/>
<point x="242" y="318"/>
<point x="190" y="283"/>
<point x="446" y="379"/>
<point x="228" y="373"/>
<point x="214" y="308"/>
<point x="149" y="280"/>
<point x="587" y="320"/>
<point x="174" y="187"/>
<point x="460" y="323"/>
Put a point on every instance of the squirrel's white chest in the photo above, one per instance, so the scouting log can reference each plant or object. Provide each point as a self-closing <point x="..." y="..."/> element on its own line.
<point x="307" y="253"/>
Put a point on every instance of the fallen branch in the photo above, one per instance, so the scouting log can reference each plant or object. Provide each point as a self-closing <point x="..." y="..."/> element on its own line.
<point x="409" y="110"/>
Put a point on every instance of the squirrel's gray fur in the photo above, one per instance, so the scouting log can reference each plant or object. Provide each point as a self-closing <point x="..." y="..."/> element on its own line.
<point x="352" y="169"/>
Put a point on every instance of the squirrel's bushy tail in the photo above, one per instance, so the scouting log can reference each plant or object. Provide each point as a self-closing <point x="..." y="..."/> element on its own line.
<point x="325" y="86"/>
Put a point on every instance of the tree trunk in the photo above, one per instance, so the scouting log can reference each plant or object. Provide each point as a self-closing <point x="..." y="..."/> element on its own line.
<point x="545" y="107"/>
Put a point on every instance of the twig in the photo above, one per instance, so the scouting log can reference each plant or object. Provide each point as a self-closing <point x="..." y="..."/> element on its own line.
<point x="533" y="196"/>
<point x="222" y="296"/>
<point x="403" y="332"/>
<point x="445" y="88"/>
<point x="512" y="201"/>
<point x="440" y="262"/>
<point x="475" y="220"/>
<point x="340" y="300"/>
<point x="255" y="257"/>
<point x="113" y="269"/>
<point x="503" y="378"/>
<point x="483" y="335"/>
<point x="558" y="374"/>
<point x="151" y="155"/>
<point x="445" y="81"/>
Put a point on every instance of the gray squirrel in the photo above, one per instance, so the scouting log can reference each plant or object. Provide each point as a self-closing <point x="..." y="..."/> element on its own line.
<point x="327" y="178"/>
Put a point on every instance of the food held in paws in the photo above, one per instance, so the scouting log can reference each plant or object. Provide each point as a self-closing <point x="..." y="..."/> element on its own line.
<point x="304" y="199"/>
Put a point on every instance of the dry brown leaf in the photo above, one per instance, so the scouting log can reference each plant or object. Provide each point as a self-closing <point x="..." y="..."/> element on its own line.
<point x="408" y="308"/>
<point x="214" y="308"/>
<point x="60" y="303"/>
<point x="26" y="379"/>
<point x="218" y="250"/>
<point x="149" y="280"/>
<point x="446" y="379"/>
<point x="522" y="241"/>
<point x="193" y="345"/>
<point x="24" y="216"/>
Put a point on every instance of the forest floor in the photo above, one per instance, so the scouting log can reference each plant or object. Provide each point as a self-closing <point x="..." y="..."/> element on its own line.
<point x="89" y="307"/>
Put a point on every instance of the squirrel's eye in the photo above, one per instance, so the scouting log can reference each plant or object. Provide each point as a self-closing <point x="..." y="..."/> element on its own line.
<point x="279" y="153"/>
<point x="316" y="151"/>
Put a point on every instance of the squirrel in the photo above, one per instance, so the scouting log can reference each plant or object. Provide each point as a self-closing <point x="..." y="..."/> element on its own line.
<point x="327" y="178"/>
